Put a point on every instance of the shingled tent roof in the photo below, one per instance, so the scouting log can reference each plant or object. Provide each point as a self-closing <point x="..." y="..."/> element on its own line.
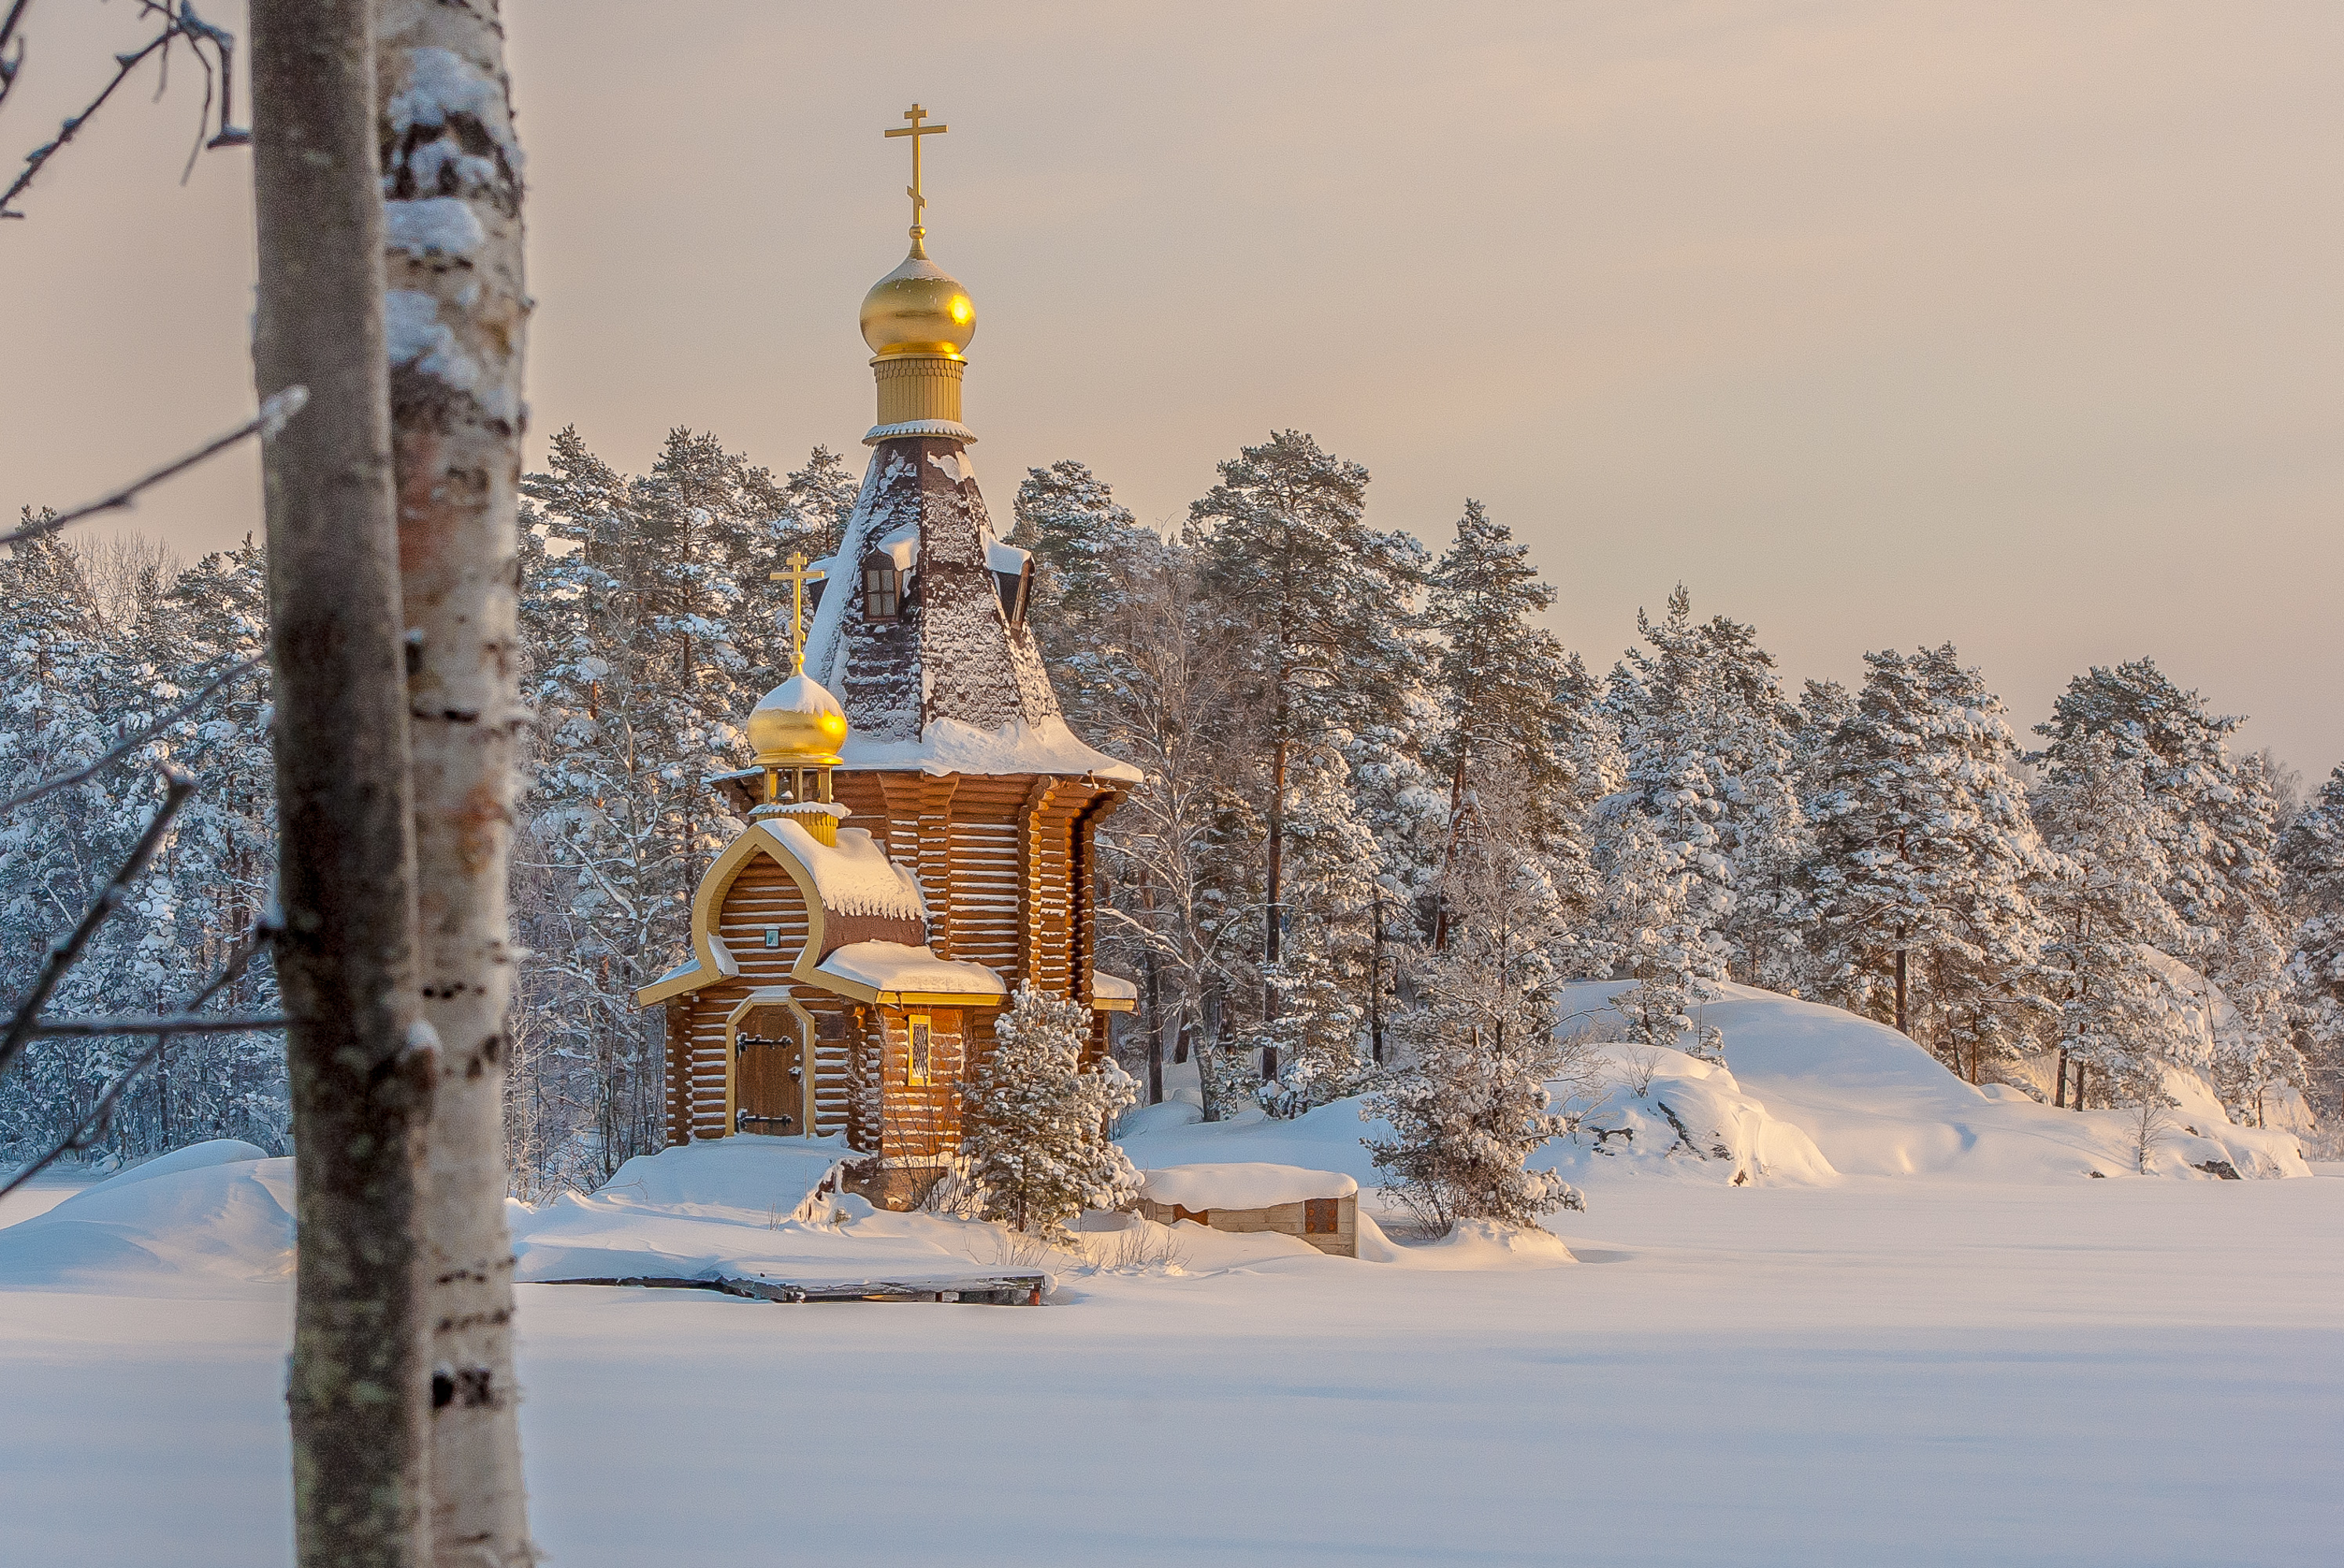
<point x="951" y="686"/>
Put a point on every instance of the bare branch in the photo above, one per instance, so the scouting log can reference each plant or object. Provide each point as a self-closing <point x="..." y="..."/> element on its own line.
<point x="11" y="63"/>
<point x="94" y="1123"/>
<point x="278" y="408"/>
<point x="81" y="774"/>
<point x="157" y="1024"/>
<point x="185" y="24"/>
<point x="177" y="787"/>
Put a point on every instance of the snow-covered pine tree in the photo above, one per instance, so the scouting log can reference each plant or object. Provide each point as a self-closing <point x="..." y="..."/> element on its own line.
<point x="1925" y="859"/>
<point x="1035" y="1145"/>
<point x="1502" y="682"/>
<point x="1325" y="970"/>
<point x="2185" y="771"/>
<point x="1314" y="606"/>
<point x="1088" y="554"/>
<point x="2216" y="821"/>
<point x="631" y="719"/>
<point x="2104" y="901"/>
<point x="1705" y="741"/>
<point x="819" y="499"/>
<point x="2312" y="854"/>
<point x="1473" y="1103"/>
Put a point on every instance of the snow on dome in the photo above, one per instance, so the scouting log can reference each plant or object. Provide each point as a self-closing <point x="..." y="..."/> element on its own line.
<point x="1106" y="987"/>
<point x="951" y="746"/>
<point x="1198" y="1187"/>
<point x="890" y="968"/>
<point x="797" y="720"/>
<point x="854" y="876"/>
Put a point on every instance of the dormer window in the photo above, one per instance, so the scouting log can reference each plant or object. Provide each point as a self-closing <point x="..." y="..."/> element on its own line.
<point x="1014" y="592"/>
<point x="882" y="588"/>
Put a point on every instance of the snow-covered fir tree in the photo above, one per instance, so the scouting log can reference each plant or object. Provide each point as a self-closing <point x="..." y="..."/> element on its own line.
<point x="1036" y="1149"/>
<point x="1472" y="1103"/>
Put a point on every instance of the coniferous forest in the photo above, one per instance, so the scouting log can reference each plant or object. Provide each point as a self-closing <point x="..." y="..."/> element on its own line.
<point x="1386" y="810"/>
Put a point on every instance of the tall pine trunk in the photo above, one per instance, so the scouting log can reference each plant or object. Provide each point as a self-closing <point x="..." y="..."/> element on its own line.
<point x="457" y="419"/>
<point x="359" y="1059"/>
<point x="1274" y="934"/>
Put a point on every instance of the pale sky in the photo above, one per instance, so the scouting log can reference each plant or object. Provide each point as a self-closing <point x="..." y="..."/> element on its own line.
<point x="2016" y="325"/>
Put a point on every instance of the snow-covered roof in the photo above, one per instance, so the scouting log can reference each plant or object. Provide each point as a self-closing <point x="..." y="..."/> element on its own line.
<point x="892" y="971"/>
<point x="1112" y="991"/>
<point x="1201" y="1186"/>
<point x="952" y="684"/>
<point x="902" y="547"/>
<point x="854" y="876"/>
<point x="951" y="746"/>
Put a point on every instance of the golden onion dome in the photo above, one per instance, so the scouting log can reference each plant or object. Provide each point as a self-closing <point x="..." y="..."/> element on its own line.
<point x="919" y="309"/>
<point x="797" y="724"/>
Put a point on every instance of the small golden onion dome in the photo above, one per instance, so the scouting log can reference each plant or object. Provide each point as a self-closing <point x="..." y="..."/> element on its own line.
<point x="919" y="309"/>
<point x="797" y="724"/>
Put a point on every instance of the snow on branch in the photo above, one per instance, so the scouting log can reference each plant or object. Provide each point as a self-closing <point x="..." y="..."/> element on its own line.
<point x="92" y="1127"/>
<point x="279" y="408"/>
<point x="157" y="1024"/>
<point x="130" y="743"/>
<point x="184" y="24"/>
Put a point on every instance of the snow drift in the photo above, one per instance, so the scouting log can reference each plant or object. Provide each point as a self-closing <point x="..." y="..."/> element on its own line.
<point x="1876" y="1104"/>
<point x="213" y="1216"/>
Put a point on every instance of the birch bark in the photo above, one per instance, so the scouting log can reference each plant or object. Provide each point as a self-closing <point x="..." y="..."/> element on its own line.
<point x="359" y="1058"/>
<point x="451" y="169"/>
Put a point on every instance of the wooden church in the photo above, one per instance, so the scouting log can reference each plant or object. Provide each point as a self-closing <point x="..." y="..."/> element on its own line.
<point x="920" y="821"/>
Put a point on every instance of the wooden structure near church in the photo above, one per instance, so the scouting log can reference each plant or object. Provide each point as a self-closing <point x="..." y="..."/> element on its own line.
<point x="1320" y="1206"/>
<point x="916" y="848"/>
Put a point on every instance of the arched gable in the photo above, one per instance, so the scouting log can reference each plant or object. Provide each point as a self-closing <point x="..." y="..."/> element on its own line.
<point x="714" y="954"/>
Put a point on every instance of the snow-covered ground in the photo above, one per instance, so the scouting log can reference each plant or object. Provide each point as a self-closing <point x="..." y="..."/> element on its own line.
<point x="1992" y="1360"/>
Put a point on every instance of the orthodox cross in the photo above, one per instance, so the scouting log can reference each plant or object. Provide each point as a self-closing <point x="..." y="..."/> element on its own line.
<point x="916" y="130"/>
<point x="797" y="577"/>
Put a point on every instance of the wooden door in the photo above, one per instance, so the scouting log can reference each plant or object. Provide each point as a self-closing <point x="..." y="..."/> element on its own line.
<point x="770" y="1063"/>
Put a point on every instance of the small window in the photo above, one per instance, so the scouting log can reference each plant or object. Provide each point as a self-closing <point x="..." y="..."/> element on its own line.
<point x="917" y="1069"/>
<point x="1321" y="1216"/>
<point x="772" y="935"/>
<point x="1016" y="588"/>
<point x="880" y="598"/>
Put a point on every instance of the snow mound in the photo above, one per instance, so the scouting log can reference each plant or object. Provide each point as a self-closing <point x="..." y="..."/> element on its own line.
<point x="216" y="1214"/>
<point x="1665" y="1113"/>
<point x="1247" y="1185"/>
<point x="1876" y="1104"/>
<point x="1696" y="1124"/>
<point x="1484" y="1244"/>
<point x="749" y="1172"/>
<point x="740" y="1208"/>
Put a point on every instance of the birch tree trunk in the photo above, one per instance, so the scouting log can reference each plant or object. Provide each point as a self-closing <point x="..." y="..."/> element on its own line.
<point x="452" y="188"/>
<point x="359" y="1059"/>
